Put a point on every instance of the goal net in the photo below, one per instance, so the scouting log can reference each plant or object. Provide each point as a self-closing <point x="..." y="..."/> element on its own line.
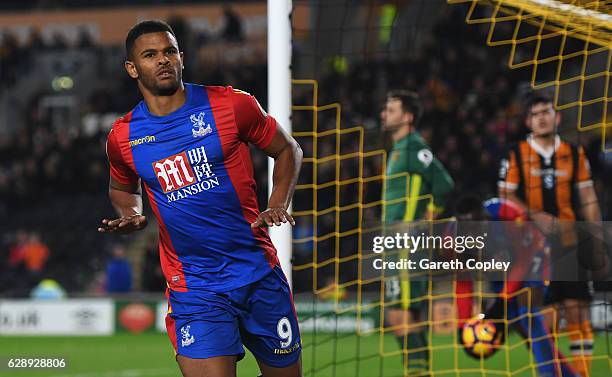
<point x="471" y="62"/>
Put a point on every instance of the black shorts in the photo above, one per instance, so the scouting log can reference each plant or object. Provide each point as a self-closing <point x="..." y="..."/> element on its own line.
<point x="570" y="274"/>
<point x="561" y="290"/>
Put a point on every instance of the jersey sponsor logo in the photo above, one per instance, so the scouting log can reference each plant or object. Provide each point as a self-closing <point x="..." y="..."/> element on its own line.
<point x="185" y="174"/>
<point x="198" y="125"/>
<point x="186" y="337"/>
<point x="174" y="172"/>
<point x="142" y="140"/>
<point x="548" y="176"/>
<point x="548" y="172"/>
<point x="199" y="160"/>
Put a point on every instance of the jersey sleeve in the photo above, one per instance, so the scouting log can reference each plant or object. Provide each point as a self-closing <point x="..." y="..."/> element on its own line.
<point x="254" y="124"/>
<point x="509" y="175"/>
<point x="420" y="160"/>
<point x="431" y="169"/>
<point x="119" y="170"/>
<point x="583" y="172"/>
<point x="441" y="186"/>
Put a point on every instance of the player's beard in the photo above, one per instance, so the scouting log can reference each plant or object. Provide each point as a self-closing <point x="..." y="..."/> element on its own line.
<point x="392" y="126"/>
<point x="162" y="88"/>
<point x="547" y="134"/>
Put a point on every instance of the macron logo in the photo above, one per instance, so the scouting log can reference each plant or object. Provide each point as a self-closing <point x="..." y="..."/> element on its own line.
<point x="142" y="140"/>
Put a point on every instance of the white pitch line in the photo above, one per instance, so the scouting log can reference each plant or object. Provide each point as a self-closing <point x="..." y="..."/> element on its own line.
<point x="123" y="373"/>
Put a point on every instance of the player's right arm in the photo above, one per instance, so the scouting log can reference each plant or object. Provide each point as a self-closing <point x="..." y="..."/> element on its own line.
<point x="442" y="185"/>
<point x="599" y="262"/>
<point x="127" y="201"/>
<point x="260" y="129"/>
<point x="124" y="192"/>
<point x="426" y="166"/>
<point x="509" y="178"/>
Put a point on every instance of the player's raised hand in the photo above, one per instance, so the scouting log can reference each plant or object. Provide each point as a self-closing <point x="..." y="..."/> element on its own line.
<point x="273" y="216"/>
<point x="123" y="225"/>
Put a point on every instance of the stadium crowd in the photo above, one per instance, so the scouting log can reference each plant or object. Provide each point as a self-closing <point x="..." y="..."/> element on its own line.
<point x="53" y="180"/>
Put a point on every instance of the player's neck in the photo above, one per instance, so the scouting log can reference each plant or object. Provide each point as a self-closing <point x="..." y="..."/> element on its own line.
<point x="545" y="141"/>
<point x="401" y="133"/>
<point x="164" y="105"/>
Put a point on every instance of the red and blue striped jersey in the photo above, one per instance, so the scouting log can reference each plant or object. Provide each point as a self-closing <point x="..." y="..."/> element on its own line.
<point x="508" y="226"/>
<point x="196" y="169"/>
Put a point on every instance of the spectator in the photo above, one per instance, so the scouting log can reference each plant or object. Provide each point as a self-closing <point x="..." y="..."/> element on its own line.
<point x="35" y="254"/>
<point x="48" y="289"/>
<point x="118" y="272"/>
<point x="84" y="39"/>
<point x="16" y="252"/>
<point x="233" y="30"/>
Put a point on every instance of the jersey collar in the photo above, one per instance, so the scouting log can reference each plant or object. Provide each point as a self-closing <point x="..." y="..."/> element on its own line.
<point x="546" y="153"/>
<point x="412" y="136"/>
<point x="176" y="113"/>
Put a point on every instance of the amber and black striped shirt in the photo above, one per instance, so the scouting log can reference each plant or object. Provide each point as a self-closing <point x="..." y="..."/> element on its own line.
<point x="546" y="180"/>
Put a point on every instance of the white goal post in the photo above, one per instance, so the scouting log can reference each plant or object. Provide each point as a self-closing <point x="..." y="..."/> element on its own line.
<point x="279" y="104"/>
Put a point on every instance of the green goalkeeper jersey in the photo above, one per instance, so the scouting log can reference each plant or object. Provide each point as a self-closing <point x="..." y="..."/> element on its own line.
<point x="413" y="172"/>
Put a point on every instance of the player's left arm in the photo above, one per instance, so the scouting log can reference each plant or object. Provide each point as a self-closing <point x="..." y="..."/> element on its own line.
<point x="287" y="156"/>
<point x="441" y="187"/>
<point x="589" y="203"/>
<point x="589" y="206"/>
<point x="586" y="192"/>
<point x="124" y="192"/>
<point x="257" y="127"/>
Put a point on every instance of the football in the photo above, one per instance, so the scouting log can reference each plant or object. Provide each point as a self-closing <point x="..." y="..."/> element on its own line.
<point x="480" y="337"/>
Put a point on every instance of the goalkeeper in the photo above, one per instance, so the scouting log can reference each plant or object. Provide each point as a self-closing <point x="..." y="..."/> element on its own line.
<point x="413" y="175"/>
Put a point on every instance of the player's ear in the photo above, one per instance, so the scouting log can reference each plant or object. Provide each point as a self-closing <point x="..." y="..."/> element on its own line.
<point x="528" y="121"/>
<point x="557" y="118"/>
<point x="408" y="118"/>
<point x="131" y="69"/>
<point x="182" y="60"/>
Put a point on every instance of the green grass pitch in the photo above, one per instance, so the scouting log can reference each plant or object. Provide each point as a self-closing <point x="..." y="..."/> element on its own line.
<point x="150" y="355"/>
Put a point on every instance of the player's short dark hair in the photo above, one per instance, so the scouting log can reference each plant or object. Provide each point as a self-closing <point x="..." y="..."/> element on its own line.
<point x="536" y="97"/>
<point x="145" y="27"/>
<point x="410" y="102"/>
